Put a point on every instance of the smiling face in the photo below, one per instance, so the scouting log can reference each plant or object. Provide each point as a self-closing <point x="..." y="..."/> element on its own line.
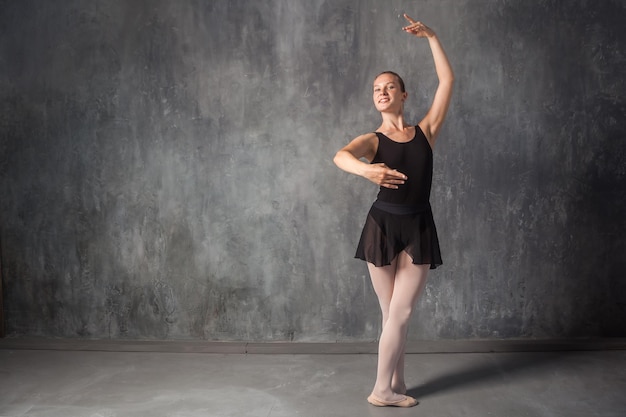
<point x="388" y="93"/>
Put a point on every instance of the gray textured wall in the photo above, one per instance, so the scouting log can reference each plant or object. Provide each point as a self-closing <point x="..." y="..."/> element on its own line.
<point x="165" y="167"/>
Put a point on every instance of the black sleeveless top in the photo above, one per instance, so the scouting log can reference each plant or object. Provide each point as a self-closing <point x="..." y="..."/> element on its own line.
<point x="415" y="160"/>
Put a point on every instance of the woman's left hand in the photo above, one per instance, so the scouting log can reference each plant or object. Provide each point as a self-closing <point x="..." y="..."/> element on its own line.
<point x="417" y="28"/>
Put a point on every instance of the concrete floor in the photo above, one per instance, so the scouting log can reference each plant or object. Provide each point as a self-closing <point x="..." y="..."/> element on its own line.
<point x="58" y="383"/>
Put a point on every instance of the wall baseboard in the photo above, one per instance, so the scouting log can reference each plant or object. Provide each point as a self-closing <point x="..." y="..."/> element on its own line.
<point x="413" y="347"/>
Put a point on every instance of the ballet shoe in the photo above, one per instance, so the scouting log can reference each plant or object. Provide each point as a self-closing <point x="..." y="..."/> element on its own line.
<point x="404" y="403"/>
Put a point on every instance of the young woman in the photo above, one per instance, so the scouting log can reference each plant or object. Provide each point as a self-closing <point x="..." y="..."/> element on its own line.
<point x="399" y="239"/>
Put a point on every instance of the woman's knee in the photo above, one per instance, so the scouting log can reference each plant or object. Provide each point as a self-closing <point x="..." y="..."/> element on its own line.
<point x="400" y="314"/>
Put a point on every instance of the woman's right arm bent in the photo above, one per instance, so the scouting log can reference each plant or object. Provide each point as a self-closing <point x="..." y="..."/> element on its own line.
<point x="349" y="158"/>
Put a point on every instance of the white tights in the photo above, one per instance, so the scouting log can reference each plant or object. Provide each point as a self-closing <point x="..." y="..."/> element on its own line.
<point x="397" y="287"/>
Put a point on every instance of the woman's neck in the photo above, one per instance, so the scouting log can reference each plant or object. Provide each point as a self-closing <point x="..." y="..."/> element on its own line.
<point x="393" y="123"/>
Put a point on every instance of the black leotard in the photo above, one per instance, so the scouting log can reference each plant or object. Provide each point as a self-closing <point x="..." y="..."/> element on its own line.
<point x="401" y="219"/>
<point x="415" y="160"/>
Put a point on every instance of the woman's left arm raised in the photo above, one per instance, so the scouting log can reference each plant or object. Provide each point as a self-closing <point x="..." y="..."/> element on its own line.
<point x="431" y="124"/>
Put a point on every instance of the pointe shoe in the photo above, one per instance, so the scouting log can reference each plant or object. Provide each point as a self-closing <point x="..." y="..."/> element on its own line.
<point x="404" y="403"/>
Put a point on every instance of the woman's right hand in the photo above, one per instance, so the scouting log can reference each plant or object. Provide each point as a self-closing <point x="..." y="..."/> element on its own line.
<point x="384" y="176"/>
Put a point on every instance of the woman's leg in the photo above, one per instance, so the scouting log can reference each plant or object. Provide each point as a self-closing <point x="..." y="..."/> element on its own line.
<point x="397" y="286"/>
<point x="398" y="384"/>
<point x="383" y="279"/>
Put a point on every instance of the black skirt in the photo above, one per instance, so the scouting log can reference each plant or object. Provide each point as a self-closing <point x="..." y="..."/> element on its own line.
<point x="389" y="229"/>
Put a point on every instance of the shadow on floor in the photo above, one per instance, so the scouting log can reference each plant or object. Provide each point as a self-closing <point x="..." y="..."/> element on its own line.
<point x="507" y="365"/>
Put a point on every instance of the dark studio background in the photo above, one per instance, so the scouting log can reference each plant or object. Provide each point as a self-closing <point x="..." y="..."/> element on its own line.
<point x="166" y="167"/>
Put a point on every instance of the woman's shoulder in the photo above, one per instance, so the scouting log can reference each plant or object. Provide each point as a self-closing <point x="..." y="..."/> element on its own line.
<point x="365" y="145"/>
<point x="368" y="136"/>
